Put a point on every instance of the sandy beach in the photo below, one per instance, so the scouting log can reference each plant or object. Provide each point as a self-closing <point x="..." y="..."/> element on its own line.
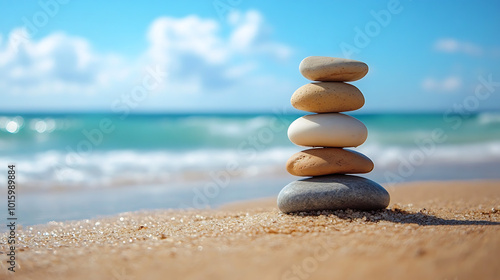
<point x="431" y="230"/>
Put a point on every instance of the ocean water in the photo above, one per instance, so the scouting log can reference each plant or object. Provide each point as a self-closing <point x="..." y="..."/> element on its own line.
<point x="78" y="166"/>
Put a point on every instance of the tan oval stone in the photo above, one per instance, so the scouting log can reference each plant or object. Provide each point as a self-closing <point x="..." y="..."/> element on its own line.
<point x="332" y="69"/>
<point x="324" y="161"/>
<point x="327" y="97"/>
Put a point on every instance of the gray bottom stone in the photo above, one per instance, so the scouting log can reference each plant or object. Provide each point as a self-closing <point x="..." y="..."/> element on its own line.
<point x="332" y="192"/>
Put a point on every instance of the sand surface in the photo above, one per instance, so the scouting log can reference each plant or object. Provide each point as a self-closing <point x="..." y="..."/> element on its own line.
<point x="431" y="230"/>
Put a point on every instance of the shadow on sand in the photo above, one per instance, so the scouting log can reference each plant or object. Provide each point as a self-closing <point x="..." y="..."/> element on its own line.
<point x="399" y="216"/>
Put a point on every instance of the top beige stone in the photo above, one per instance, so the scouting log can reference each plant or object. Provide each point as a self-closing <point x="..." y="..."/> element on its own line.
<point x="332" y="69"/>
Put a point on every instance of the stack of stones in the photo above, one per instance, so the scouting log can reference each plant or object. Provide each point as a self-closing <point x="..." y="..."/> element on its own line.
<point x="330" y="131"/>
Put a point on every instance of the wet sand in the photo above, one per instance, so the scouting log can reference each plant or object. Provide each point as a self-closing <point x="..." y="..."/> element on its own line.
<point x="431" y="230"/>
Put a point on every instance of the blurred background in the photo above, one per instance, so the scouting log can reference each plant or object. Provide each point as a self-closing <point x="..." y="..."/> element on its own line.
<point x="113" y="107"/>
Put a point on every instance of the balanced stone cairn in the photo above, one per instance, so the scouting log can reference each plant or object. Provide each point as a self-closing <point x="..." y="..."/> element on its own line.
<point x="329" y="188"/>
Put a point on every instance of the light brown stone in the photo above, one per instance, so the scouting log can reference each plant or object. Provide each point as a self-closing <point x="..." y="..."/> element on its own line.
<point x="327" y="97"/>
<point x="324" y="161"/>
<point x="332" y="69"/>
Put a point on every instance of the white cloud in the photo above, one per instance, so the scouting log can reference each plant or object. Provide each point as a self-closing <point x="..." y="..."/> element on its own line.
<point x="448" y="84"/>
<point x="198" y="56"/>
<point x="450" y="45"/>
<point x="54" y="64"/>
<point x="252" y="36"/>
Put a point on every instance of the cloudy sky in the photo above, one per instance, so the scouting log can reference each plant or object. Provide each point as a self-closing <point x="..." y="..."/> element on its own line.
<point x="242" y="55"/>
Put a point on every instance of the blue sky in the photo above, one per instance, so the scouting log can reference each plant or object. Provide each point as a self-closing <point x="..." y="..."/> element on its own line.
<point x="242" y="55"/>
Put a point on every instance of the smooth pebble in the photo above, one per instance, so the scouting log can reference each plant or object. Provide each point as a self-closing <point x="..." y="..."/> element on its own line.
<point x="332" y="192"/>
<point x="327" y="130"/>
<point x="324" y="161"/>
<point x="332" y="69"/>
<point x="327" y="97"/>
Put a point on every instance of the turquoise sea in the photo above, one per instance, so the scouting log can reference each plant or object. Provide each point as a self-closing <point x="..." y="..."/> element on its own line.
<point x="79" y="166"/>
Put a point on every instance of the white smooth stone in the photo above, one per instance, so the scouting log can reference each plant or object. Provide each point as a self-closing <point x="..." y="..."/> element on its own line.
<point x="327" y="130"/>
